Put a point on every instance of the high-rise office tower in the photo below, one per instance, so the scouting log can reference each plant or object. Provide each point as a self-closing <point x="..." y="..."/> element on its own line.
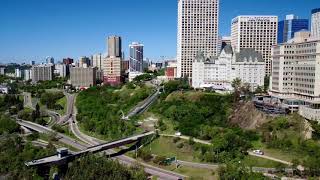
<point x="27" y="74"/>
<point x="18" y="73"/>
<point x="43" y="72"/>
<point x="289" y="26"/>
<point x="112" y="70"/>
<point x="84" y="61"/>
<point x="257" y="32"/>
<point x="197" y="30"/>
<point x="136" y="57"/>
<point x="83" y="77"/>
<point x="2" y="70"/>
<point x="111" y="65"/>
<point x="114" y="46"/>
<point x="49" y="60"/>
<point x="315" y="23"/>
<point x="97" y="61"/>
<point x="67" y="61"/>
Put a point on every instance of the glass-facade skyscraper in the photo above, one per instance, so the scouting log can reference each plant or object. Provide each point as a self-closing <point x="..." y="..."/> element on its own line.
<point x="136" y="57"/>
<point x="289" y="26"/>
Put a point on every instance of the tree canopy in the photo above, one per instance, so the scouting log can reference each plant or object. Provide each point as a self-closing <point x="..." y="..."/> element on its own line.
<point x="100" y="109"/>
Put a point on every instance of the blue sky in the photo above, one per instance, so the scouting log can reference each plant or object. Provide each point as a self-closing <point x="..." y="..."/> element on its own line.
<point x="34" y="29"/>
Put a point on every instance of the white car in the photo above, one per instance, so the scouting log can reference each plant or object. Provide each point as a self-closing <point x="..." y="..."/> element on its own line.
<point x="259" y="152"/>
<point x="177" y="134"/>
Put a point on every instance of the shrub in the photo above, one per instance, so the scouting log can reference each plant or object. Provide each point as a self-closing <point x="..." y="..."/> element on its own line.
<point x="159" y="160"/>
<point x="146" y="156"/>
<point x="191" y="141"/>
<point x="180" y="145"/>
<point x="175" y="139"/>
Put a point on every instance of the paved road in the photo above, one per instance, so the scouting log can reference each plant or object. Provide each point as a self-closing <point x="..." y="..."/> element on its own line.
<point x="55" y="117"/>
<point x="187" y="138"/>
<point x="270" y="158"/>
<point x="161" y="173"/>
<point x="198" y="165"/>
<point x="69" y="111"/>
<point x="62" y="138"/>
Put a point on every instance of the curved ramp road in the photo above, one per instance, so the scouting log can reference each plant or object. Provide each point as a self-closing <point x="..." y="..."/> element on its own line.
<point x="62" y="138"/>
<point x="161" y="173"/>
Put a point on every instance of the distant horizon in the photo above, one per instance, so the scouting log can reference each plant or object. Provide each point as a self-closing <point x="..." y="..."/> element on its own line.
<point x="34" y="29"/>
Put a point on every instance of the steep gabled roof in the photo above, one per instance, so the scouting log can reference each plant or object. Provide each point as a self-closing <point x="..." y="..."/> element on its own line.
<point x="249" y="55"/>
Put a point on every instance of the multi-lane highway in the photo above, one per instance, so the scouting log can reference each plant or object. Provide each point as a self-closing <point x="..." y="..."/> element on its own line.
<point x="89" y="141"/>
<point x="61" y="137"/>
<point x="161" y="173"/>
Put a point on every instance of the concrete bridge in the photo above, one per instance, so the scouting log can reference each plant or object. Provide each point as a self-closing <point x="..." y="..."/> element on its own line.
<point x="63" y="156"/>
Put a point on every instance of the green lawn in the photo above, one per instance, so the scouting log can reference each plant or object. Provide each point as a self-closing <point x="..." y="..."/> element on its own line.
<point x="252" y="161"/>
<point x="63" y="103"/>
<point x="277" y="153"/>
<point x="166" y="147"/>
<point x="192" y="173"/>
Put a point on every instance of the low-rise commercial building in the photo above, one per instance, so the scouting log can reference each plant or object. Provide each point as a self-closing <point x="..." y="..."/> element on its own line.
<point x="171" y="71"/>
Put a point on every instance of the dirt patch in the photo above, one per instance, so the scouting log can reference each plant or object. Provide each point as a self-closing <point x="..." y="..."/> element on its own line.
<point x="307" y="130"/>
<point x="247" y="116"/>
<point x="149" y="123"/>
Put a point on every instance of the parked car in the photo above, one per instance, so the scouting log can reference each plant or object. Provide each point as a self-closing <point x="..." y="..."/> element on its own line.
<point x="177" y="134"/>
<point x="259" y="152"/>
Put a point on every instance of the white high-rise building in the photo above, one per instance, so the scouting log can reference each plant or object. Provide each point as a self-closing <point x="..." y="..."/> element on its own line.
<point x="2" y="70"/>
<point x="18" y="73"/>
<point x="315" y="23"/>
<point x="197" y="31"/>
<point x="97" y="60"/>
<point x="296" y="75"/>
<point x="60" y="70"/>
<point x="257" y="32"/>
<point x="27" y="74"/>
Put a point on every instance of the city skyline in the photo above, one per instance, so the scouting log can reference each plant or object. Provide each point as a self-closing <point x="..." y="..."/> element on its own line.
<point x="34" y="30"/>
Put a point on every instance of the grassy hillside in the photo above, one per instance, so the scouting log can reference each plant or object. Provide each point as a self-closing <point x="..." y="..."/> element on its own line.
<point x="100" y="109"/>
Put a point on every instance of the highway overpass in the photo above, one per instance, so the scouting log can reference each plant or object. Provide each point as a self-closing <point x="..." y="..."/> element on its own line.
<point x="64" y="156"/>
